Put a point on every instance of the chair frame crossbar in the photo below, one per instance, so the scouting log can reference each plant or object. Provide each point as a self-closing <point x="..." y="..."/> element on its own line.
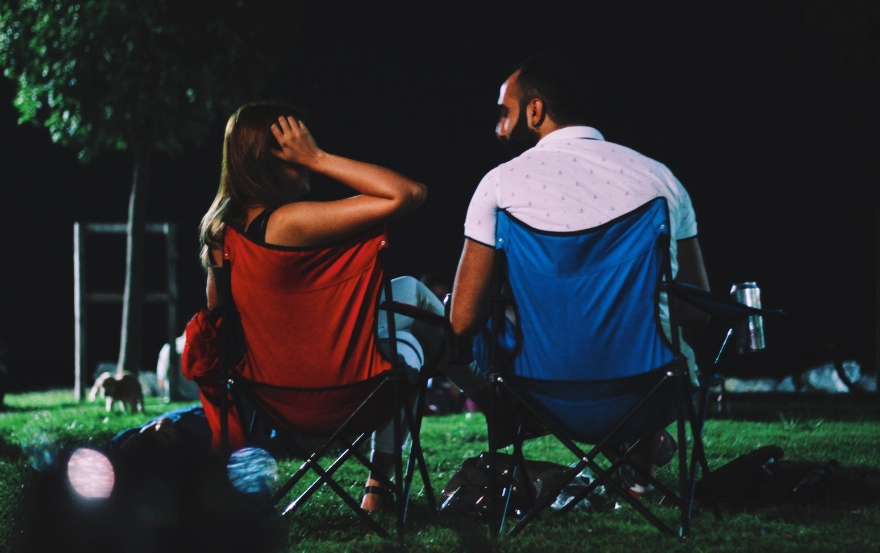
<point x="350" y="449"/>
<point x="501" y="391"/>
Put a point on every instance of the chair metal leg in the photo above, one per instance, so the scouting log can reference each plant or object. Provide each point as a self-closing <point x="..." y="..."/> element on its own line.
<point x="224" y="416"/>
<point x="496" y="515"/>
<point x="400" y="508"/>
<point x="517" y="470"/>
<point x="683" y="480"/>
<point x="416" y="455"/>
<point x="698" y="456"/>
<point x="520" y="464"/>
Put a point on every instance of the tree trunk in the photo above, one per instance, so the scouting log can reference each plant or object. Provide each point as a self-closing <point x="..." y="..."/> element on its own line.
<point x="131" y="336"/>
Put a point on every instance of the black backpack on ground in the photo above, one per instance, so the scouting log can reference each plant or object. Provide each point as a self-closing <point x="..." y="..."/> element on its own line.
<point x="762" y="477"/>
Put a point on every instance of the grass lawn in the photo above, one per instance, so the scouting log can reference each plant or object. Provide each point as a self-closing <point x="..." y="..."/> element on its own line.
<point x="39" y="427"/>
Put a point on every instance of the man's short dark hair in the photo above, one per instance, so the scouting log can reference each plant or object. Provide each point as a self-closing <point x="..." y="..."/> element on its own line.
<point x="559" y="83"/>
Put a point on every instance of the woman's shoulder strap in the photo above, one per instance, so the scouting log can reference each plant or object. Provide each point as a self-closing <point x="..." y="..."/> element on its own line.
<point x="256" y="230"/>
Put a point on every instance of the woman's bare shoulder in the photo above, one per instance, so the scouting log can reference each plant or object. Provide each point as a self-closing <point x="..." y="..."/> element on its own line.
<point x="289" y="223"/>
<point x="309" y="223"/>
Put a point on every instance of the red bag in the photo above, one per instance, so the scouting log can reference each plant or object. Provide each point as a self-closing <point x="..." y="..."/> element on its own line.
<point x="200" y="361"/>
<point x="201" y="354"/>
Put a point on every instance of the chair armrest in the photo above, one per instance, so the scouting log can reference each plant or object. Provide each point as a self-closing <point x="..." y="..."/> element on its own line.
<point x="416" y="313"/>
<point x="717" y="306"/>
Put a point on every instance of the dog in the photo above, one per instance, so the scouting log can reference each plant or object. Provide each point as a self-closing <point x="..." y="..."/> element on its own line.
<point x="124" y="389"/>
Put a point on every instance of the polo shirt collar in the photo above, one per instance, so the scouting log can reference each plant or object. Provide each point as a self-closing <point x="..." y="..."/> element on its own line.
<point x="575" y="131"/>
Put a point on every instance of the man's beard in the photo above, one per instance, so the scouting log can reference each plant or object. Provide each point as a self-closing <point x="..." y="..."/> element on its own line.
<point x="521" y="137"/>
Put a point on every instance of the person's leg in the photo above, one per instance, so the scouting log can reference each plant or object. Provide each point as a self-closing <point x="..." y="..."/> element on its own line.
<point x="411" y="291"/>
<point x="644" y="456"/>
<point x="383" y="457"/>
<point x="376" y="492"/>
<point x="418" y="343"/>
<point x="410" y="353"/>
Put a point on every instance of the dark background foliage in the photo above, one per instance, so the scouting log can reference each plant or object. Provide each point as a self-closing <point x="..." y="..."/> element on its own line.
<point x="102" y="76"/>
<point x="761" y="109"/>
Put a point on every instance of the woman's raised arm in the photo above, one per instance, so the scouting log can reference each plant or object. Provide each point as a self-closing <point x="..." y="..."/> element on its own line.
<point x="384" y="194"/>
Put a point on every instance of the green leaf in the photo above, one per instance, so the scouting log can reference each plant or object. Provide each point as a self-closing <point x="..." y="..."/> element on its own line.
<point x="101" y="75"/>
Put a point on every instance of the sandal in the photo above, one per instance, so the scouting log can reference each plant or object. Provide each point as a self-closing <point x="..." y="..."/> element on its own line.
<point x="386" y="496"/>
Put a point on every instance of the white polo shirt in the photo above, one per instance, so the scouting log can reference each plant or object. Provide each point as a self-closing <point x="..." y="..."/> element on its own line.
<point x="574" y="180"/>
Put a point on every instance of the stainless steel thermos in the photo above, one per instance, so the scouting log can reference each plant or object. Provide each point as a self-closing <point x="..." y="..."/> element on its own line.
<point x="748" y="332"/>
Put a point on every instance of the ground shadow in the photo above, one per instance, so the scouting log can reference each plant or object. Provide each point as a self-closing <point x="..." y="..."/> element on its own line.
<point x="770" y="407"/>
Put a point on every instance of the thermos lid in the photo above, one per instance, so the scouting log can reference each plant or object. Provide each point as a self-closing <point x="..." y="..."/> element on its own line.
<point x="743" y="285"/>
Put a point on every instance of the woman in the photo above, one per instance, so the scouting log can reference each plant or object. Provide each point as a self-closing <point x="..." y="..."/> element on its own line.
<point x="268" y="155"/>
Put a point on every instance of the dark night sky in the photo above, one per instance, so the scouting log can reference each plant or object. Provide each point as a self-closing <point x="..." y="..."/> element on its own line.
<point x="746" y="102"/>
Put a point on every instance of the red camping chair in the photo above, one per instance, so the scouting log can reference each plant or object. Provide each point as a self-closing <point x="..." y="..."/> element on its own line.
<point x="299" y="343"/>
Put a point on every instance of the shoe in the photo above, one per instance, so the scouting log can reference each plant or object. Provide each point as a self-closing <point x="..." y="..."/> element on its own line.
<point x="667" y="449"/>
<point x="627" y="478"/>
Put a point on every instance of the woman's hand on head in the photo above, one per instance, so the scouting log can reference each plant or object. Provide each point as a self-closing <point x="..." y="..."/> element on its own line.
<point x="383" y="194"/>
<point x="297" y="144"/>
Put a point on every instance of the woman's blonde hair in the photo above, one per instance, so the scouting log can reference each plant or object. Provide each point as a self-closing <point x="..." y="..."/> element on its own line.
<point x="250" y="175"/>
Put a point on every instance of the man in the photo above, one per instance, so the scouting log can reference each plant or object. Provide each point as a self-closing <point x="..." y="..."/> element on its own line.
<point x="566" y="178"/>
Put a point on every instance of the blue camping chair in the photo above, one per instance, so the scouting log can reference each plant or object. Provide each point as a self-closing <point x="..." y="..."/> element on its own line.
<point x="587" y="357"/>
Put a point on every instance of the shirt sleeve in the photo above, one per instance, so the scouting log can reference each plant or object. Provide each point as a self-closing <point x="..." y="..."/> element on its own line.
<point x="682" y="215"/>
<point x="479" y="224"/>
